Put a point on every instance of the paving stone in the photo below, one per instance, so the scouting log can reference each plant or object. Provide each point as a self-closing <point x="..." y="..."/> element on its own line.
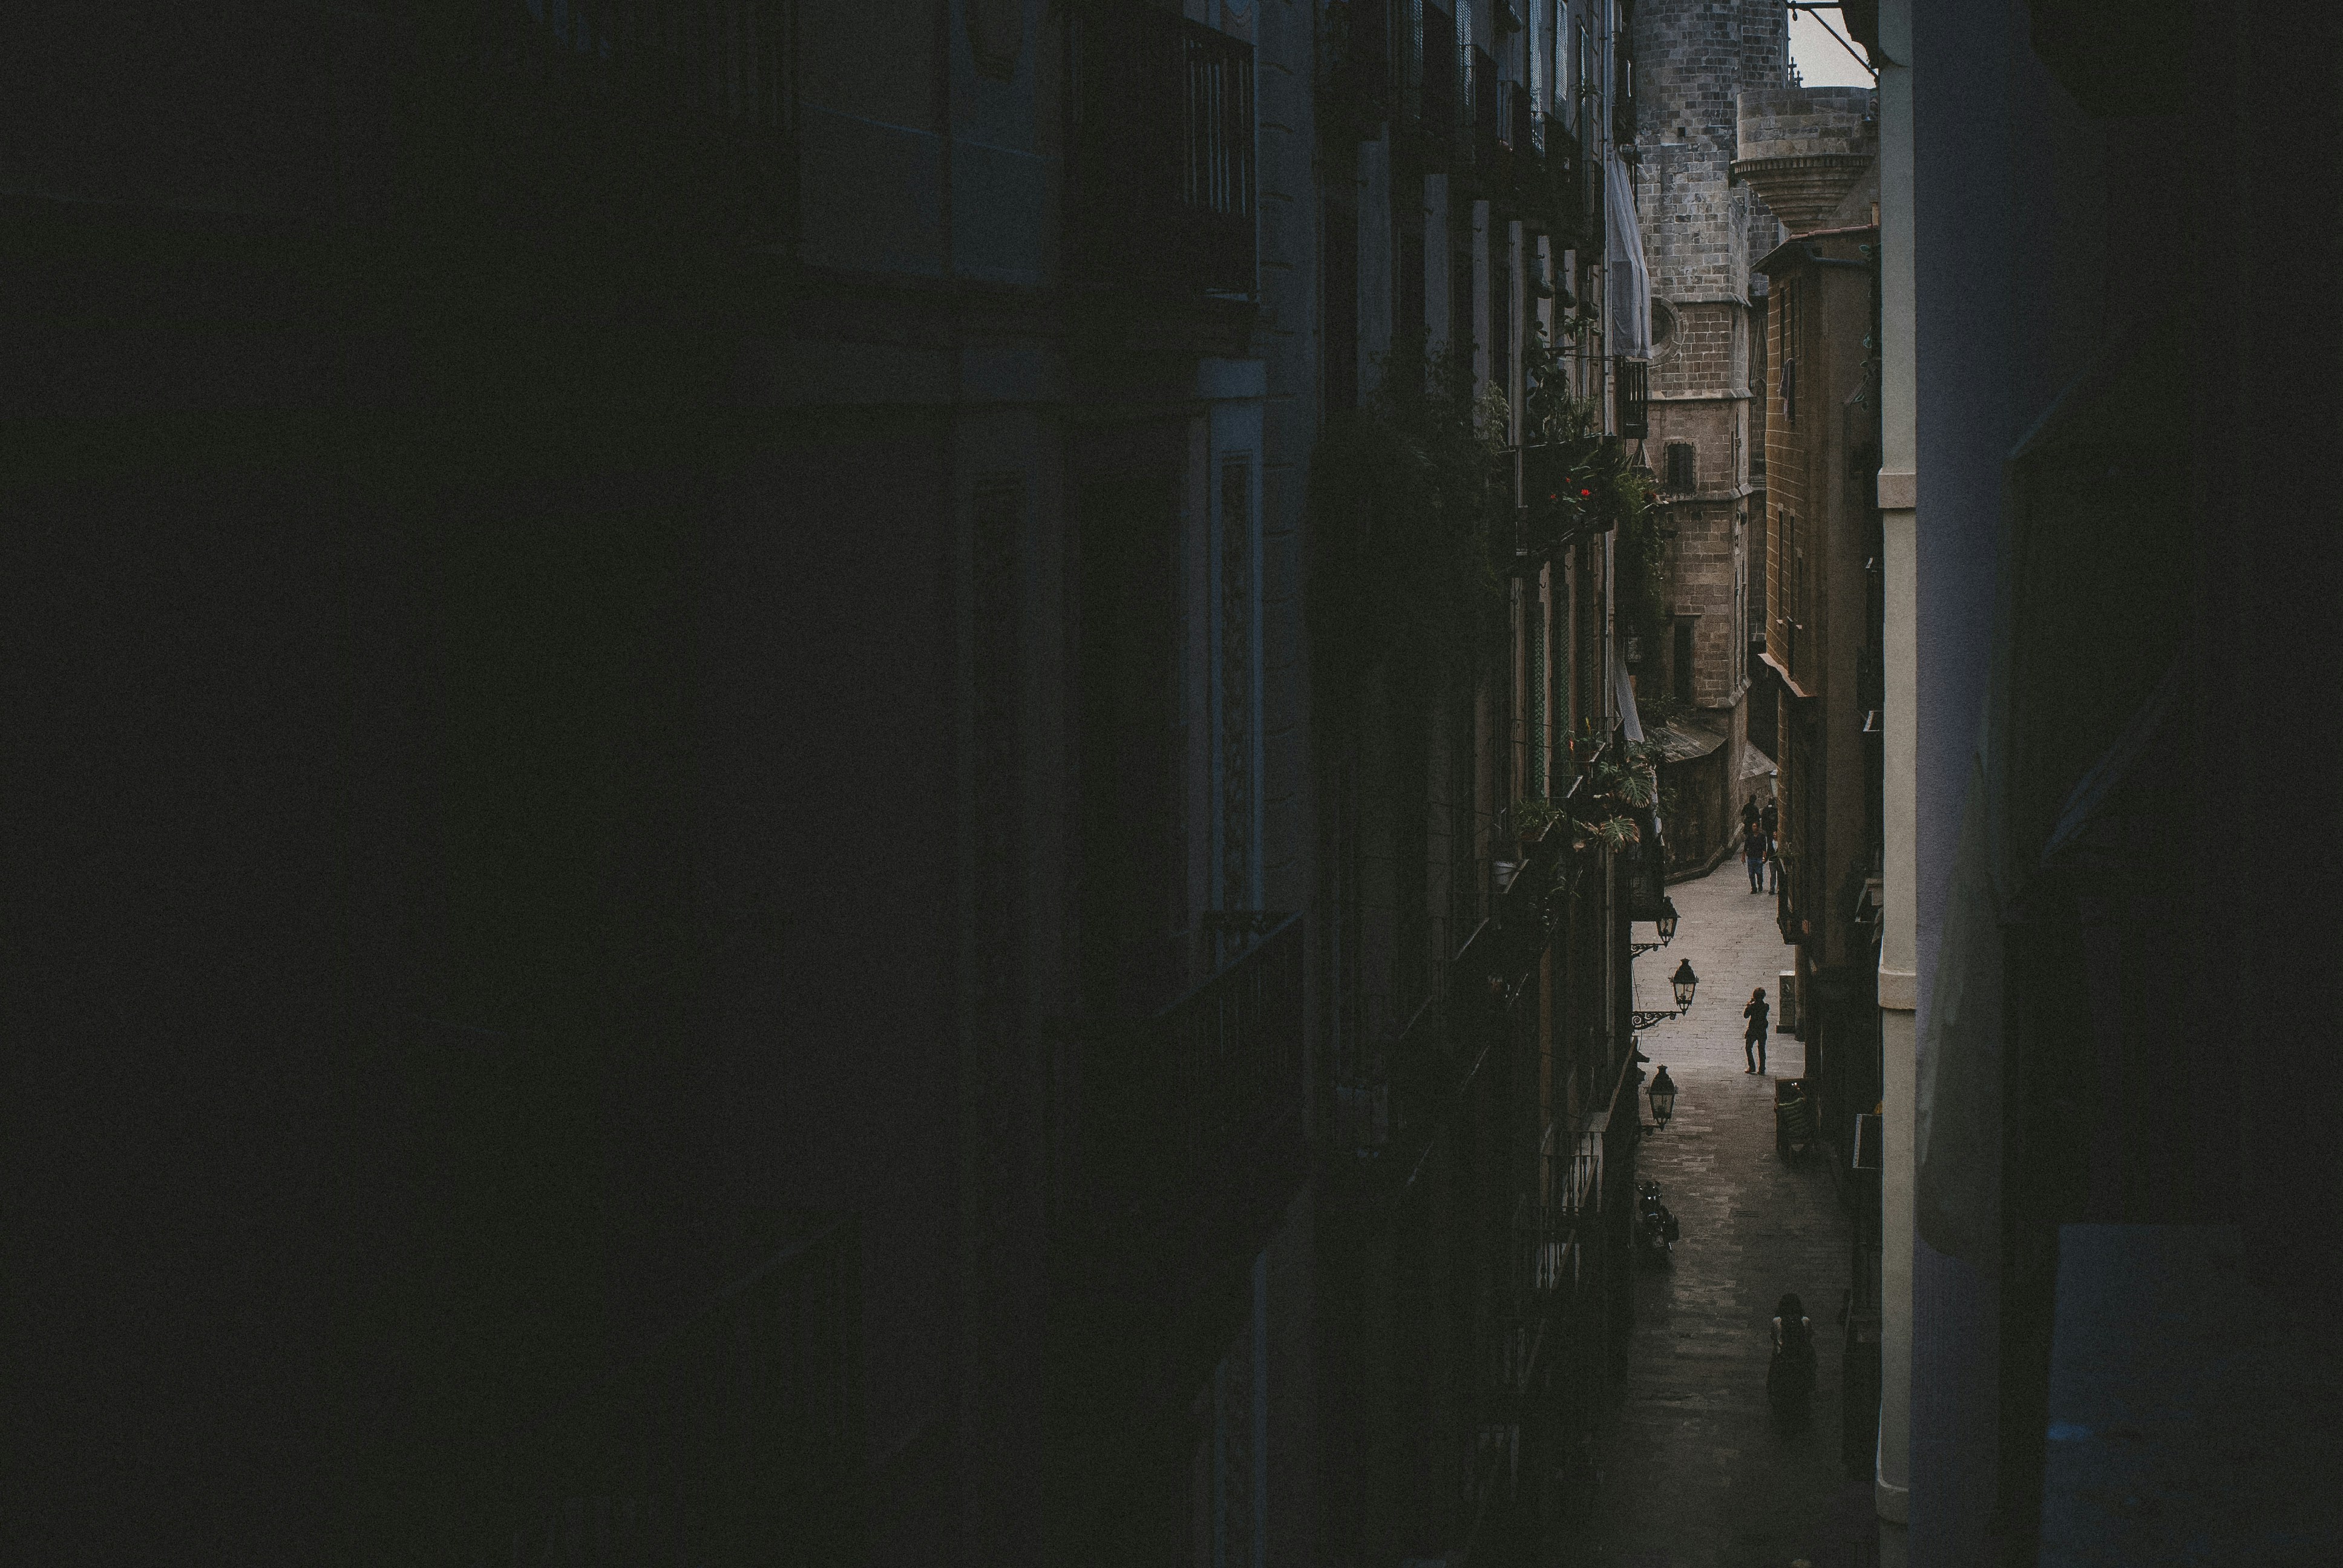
<point x="1695" y="1473"/>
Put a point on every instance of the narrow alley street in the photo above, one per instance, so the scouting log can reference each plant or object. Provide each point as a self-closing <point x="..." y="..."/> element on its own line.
<point x="1697" y="1476"/>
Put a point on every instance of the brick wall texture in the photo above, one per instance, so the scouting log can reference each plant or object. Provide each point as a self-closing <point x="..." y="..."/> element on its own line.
<point x="1787" y="458"/>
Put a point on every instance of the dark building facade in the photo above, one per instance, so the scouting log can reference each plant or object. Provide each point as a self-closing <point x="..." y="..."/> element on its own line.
<point x="702" y="885"/>
<point x="1476" y="1160"/>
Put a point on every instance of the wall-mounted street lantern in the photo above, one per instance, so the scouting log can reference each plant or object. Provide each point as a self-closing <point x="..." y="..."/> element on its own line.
<point x="1667" y="928"/>
<point x="1685" y="982"/>
<point x="1663" y="1098"/>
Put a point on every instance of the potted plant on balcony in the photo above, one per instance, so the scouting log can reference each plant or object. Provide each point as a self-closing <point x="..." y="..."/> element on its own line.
<point x="1412" y="513"/>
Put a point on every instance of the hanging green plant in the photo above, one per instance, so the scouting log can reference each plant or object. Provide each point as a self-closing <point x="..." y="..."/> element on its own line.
<point x="1577" y="479"/>
<point x="1410" y="525"/>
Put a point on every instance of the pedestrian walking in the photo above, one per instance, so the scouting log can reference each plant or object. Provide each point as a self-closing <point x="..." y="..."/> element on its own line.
<point x="1790" y="1372"/>
<point x="1769" y="820"/>
<point x="1753" y="853"/>
<point x="1772" y="865"/>
<point x="1752" y="1042"/>
<point x="1750" y="814"/>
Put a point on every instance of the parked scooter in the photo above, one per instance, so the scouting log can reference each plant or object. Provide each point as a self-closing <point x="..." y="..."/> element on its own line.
<point x="1655" y="1227"/>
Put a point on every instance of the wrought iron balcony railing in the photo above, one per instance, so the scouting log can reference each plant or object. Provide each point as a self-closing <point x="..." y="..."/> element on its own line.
<point x="1485" y="98"/>
<point x="643" y="116"/>
<point x="1442" y="97"/>
<point x="1397" y="1078"/>
<point x="1570" y="1173"/>
<point x="1159" y="171"/>
<point x="1631" y="382"/>
<point x="1189" y="1116"/>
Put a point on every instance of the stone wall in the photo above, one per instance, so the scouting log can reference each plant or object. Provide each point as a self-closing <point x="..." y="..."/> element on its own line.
<point x="1700" y="355"/>
<point x="1702" y="231"/>
<point x="1796" y="122"/>
<point x="1787" y="459"/>
<point x="1694" y="58"/>
<point x="1802" y="148"/>
<point x="1700" y="578"/>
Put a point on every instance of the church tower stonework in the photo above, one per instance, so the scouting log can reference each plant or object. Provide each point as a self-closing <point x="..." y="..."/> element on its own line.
<point x="1702" y="231"/>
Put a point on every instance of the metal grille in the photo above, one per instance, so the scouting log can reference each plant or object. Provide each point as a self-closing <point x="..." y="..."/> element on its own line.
<point x="1631" y="385"/>
<point x="726" y="58"/>
<point x="1159" y="171"/>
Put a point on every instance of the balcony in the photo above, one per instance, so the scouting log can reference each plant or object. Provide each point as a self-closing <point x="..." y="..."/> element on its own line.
<point x="1623" y="89"/>
<point x="1398" y="1079"/>
<point x="1177" y="1140"/>
<point x="1569" y="183"/>
<point x="1496" y="962"/>
<point x="1190" y="1129"/>
<point x="739" y="1437"/>
<point x="1484" y="97"/>
<point x="1632" y="389"/>
<point x="1160" y="174"/>
<point x="639" y="117"/>
<point x="1358" y="84"/>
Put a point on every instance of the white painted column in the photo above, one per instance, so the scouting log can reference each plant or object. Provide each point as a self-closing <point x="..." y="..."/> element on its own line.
<point x="1898" y="990"/>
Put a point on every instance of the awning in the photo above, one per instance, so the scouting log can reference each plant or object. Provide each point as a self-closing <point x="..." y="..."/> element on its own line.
<point x="1686" y="745"/>
<point x="1779" y="668"/>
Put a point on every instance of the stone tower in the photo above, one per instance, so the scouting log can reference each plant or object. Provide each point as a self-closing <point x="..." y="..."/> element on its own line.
<point x="1702" y="231"/>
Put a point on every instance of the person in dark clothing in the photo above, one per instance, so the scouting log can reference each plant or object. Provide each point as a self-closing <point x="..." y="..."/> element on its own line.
<point x="1790" y="1373"/>
<point x="1749" y="813"/>
<point x="1752" y="1043"/>
<point x="1752" y="854"/>
<point x="1769" y="820"/>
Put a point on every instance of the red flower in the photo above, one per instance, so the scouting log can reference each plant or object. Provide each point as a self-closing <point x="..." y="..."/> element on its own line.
<point x="1585" y="492"/>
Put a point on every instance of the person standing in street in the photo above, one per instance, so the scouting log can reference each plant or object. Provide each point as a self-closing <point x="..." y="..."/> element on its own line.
<point x="1752" y="854"/>
<point x="1752" y="1042"/>
<point x="1772" y="865"/>
<point x="1769" y="820"/>
<point x="1790" y="1372"/>
<point x="1749" y="814"/>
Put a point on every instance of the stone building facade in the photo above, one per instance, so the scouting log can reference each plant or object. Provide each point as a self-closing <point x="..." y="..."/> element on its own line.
<point x="1702" y="229"/>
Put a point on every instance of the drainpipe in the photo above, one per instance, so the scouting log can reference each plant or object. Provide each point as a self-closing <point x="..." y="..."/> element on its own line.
<point x="1898" y="984"/>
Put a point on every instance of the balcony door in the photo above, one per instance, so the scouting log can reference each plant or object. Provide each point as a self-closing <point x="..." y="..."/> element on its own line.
<point x="1134" y="840"/>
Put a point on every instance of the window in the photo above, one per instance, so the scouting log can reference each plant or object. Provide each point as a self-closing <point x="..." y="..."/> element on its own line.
<point x="1585" y="83"/>
<point x="1682" y="666"/>
<point x="1501" y="311"/>
<point x="1794" y="588"/>
<point x="1790" y="316"/>
<point x="1681" y="480"/>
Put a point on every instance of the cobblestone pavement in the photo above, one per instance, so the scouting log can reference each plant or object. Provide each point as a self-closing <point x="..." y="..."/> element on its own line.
<point x="1695" y="1474"/>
